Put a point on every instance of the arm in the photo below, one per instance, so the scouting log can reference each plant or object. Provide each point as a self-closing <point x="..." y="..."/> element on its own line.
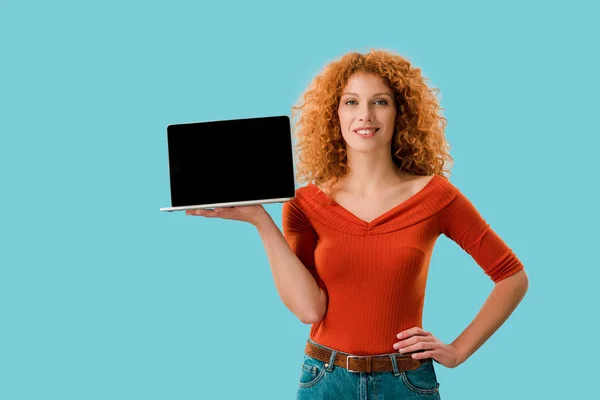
<point x="502" y="301"/>
<point x="296" y="286"/>
<point x="462" y="223"/>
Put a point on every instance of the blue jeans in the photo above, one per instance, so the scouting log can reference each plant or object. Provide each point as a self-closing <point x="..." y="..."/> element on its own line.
<point x="321" y="382"/>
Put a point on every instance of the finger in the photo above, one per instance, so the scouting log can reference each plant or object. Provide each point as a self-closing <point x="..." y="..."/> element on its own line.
<point x="425" y="354"/>
<point x="223" y="212"/>
<point x="212" y="213"/>
<point x="412" y="340"/>
<point x="202" y="213"/>
<point x="407" y="342"/>
<point x="422" y="345"/>
<point x="415" y="330"/>
<point x="193" y="212"/>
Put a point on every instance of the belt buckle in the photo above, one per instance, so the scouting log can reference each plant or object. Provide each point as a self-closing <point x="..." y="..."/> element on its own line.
<point x="347" y="365"/>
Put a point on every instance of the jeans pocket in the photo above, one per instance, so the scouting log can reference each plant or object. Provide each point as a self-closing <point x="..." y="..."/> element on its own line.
<point x="312" y="372"/>
<point x="421" y="380"/>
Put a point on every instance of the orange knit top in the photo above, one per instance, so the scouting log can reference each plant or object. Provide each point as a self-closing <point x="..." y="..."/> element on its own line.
<point x="374" y="273"/>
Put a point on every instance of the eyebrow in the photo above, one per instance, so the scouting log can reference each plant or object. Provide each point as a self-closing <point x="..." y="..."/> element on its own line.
<point x="376" y="94"/>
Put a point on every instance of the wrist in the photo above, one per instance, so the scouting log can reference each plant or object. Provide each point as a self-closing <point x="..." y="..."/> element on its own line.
<point x="261" y="220"/>
<point x="460" y="354"/>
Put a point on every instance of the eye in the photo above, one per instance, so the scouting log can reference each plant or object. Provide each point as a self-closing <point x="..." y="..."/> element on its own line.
<point x="380" y="102"/>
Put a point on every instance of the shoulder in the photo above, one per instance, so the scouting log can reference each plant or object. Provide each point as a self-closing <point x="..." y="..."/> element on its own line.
<point x="451" y="198"/>
<point x="306" y="192"/>
<point x="298" y="212"/>
<point x="437" y="190"/>
<point x="439" y="184"/>
<point x="443" y="184"/>
<point x="304" y="197"/>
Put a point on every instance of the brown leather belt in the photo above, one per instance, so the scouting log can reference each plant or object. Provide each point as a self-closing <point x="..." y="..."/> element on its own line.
<point x="382" y="363"/>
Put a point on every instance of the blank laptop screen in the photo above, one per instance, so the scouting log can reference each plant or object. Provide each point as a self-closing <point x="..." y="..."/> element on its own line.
<point x="230" y="161"/>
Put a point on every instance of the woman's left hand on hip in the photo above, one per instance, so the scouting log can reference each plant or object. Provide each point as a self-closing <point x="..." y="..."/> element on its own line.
<point x="416" y="339"/>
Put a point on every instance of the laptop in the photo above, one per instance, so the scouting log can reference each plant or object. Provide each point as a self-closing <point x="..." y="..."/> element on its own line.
<point x="228" y="163"/>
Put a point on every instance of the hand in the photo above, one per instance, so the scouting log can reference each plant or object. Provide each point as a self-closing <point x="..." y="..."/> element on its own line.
<point x="415" y="339"/>
<point x="252" y="214"/>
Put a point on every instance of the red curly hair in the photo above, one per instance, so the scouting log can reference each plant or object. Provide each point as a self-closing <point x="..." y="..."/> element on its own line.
<point x="418" y="144"/>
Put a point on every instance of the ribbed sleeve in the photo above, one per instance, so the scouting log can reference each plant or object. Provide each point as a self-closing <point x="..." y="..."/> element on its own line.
<point x="301" y="237"/>
<point x="461" y="222"/>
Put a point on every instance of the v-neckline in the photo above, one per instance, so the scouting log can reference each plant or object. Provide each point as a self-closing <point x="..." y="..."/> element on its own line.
<point x="374" y="221"/>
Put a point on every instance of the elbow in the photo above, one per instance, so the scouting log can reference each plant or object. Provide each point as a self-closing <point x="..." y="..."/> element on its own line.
<point x="519" y="281"/>
<point x="523" y="280"/>
<point x="525" y="286"/>
<point x="525" y="283"/>
<point x="312" y="319"/>
<point x="308" y="321"/>
<point x="317" y="313"/>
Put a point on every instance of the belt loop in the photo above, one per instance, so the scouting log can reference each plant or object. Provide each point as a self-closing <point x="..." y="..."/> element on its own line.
<point x="394" y="365"/>
<point x="331" y="360"/>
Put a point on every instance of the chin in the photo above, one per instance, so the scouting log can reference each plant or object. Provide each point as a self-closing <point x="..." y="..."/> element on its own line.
<point x="366" y="145"/>
<point x="361" y="148"/>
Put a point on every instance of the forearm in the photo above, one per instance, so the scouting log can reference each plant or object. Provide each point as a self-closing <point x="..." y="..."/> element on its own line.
<point x="502" y="301"/>
<point x="294" y="283"/>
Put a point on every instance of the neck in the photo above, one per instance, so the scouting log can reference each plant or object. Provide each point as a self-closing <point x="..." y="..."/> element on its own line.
<point x="370" y="173"/>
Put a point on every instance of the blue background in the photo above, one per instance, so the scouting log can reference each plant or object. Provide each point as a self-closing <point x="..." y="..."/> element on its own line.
<point x="102" y="296"/>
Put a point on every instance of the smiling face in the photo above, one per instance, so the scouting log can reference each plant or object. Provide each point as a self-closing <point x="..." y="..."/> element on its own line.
<point x="367" y="112"/>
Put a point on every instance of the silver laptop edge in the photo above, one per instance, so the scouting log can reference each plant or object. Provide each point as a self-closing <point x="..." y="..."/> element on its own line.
<point x="241" y="203"/>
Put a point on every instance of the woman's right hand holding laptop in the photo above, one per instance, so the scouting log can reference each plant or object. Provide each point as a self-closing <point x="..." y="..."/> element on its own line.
<point x="254" y="214"/>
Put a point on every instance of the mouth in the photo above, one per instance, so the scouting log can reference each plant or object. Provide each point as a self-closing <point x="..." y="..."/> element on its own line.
<point x="366" y="132"/>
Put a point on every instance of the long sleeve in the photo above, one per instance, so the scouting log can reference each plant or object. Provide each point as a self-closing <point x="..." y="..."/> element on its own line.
<point x="301" y="237"/>
<point x="461" y="222"/>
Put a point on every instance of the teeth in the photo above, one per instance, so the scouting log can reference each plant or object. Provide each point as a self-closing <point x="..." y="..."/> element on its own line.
<point x="365" y="131"/>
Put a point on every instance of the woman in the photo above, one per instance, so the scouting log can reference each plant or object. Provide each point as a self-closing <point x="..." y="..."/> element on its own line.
<point x="357" y="239"/>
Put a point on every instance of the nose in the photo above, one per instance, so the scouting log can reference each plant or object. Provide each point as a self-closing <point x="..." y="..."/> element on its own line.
<point x="366" y="113"/>
<point x="366" y="118"/>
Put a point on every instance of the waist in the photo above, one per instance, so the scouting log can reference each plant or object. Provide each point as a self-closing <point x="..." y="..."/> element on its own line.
<point x="357" y="363"/>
